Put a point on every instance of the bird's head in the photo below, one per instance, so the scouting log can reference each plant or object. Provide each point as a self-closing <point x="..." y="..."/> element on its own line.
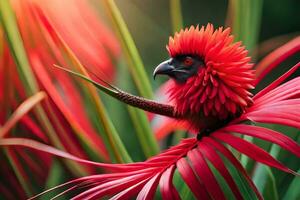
<point x="211" y="74"/>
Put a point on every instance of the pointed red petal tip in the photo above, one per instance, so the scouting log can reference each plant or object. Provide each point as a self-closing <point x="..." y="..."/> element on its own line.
<point x="221" y="87"/>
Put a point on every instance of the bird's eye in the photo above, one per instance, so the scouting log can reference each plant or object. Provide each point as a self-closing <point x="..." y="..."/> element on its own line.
<point x="188" y="61"/>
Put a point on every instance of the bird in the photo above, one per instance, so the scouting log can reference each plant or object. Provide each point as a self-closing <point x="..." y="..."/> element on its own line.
<point x="211" y="78"/>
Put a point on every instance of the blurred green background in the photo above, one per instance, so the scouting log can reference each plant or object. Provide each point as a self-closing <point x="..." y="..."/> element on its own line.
<point x="149" y="21"/>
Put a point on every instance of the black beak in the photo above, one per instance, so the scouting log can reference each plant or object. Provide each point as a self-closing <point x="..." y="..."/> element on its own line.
<point x="165" y="68"/>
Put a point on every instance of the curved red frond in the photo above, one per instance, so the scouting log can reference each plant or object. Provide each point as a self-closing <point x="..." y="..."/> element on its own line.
<point x="211" y="154"/>
<point x="149" y="188"/>
<point x="141" y="179"/>
<point x="266" y="134"/>
<point x="251" y="150"/>
<point x="278" y="81"/>
<point x="205" y="174"/>
<point x="189" y="176"/>
<point x="167" y="189"/>
<point x="276" y="57"/>
<point x="224" y="151"/>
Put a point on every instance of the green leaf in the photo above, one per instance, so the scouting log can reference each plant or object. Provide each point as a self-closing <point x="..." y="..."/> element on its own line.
<point x="263" y="176"/>
<point x="19" y="171"/>
<point x="293" y="192"/>
<point x="139" y="76"/>
<point x="13" y="36"/>
<point x="240" y="181"/>
<point x="221" y="181"/>
<point x="186" y="193"/>
<point x="148" y="142"/>
<point x="133" y="57"/>
<point x="246" y="21"/>
<point x="56" y="176"/>
<point x="265" y="181"/>
<point x="245" y="160"/>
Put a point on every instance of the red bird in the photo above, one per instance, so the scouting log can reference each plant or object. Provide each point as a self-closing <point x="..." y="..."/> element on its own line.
<point x="211" y="77"/>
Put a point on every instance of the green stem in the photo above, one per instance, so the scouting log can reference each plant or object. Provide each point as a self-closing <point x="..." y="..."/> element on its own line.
<point x="133" y="57"/>
<point x="18" y="172"/>
<point x="148" y="143"/>
<point x="246" y="21"/>
<point x="139" y="75"/>
<point x="176" y="15"/>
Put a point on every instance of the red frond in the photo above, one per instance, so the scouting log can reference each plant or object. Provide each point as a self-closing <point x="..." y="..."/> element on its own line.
<point x="266" y="134"/>
<point x="217" y="162"/>
<point x="141" y="179"/>
<point x="205" y="174"/>
<point x="272" y="60"/>
<point x="251" y="150"/>
<point x="189" y="176"/>
<point x="225" y="152"/>
<point x="168" y="191"/>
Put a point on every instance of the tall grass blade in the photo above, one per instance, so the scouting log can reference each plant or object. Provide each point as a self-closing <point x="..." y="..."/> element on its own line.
<point x="176" y="15"/>
<point x="139" y="75"/>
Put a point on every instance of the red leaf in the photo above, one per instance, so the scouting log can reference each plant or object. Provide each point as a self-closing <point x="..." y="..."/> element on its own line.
<point x="266" y="134"/>
<point x="167" y="189"/>
<point x="4" y="190"/>
<point x="34" y="128"/>
<point x="251" y="150"/>
<point x="276" y="57"/>
<point x="205" y="174"/>
<point x="48" y="149"/>
<point x="149" y="189"/>
<point x="288" y="90"/>
<point x="75" y="116"/>
<point x="130" y="191"/>
<point x="215" y="159"/>
<point x="278" y="81"/>
<point x="224" y="151"/>
<point x="191" y="179"/>
<point x="93" y="44"/>
<point x="22" y="110"/>
<point x="109" y="187"/>
<point x="274" y="120"/>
